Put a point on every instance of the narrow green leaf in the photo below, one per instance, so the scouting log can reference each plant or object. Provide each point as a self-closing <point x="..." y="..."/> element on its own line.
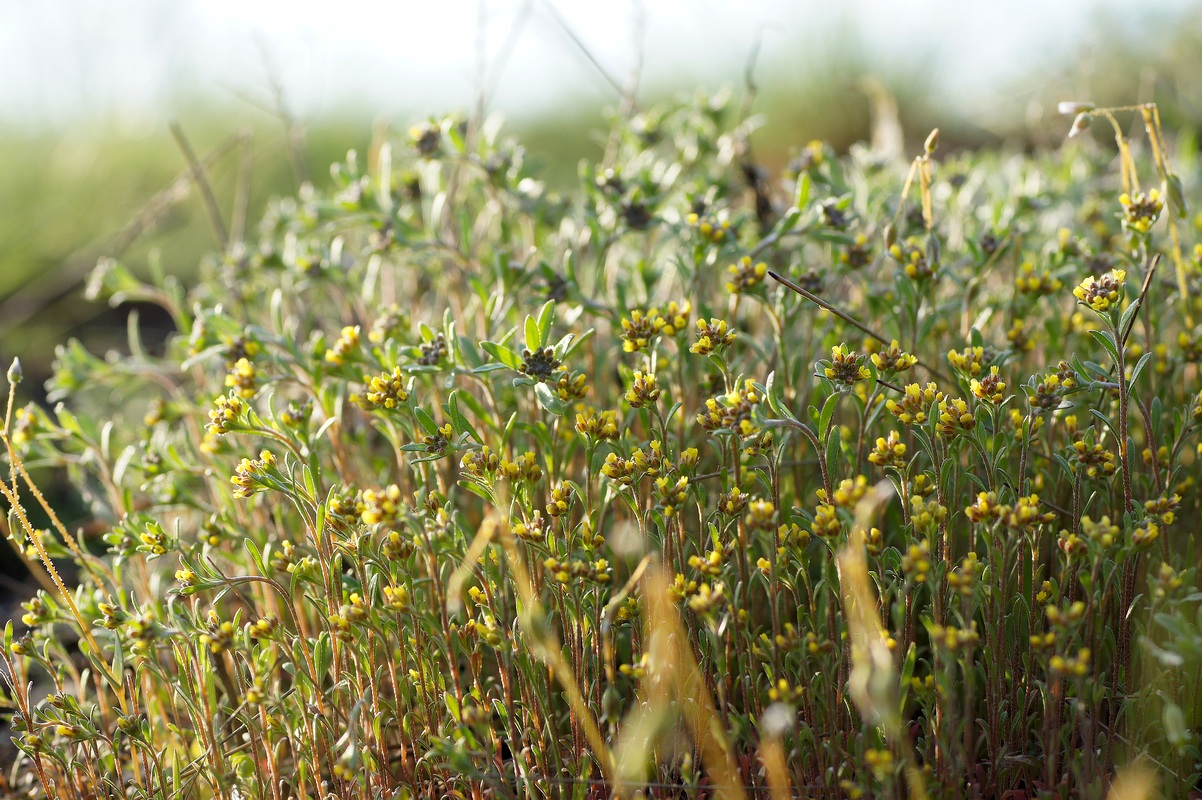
<point x="323" y="655"/>
<point x="533" y="339"/>
<point x="828" y="413"/>
<point x="1139" y="367"/>
<point x="1107" y="341"/>
<point x="452" y="408"/>
<point x="546" y="318"/>
<point x="1128" y="317"/>
<point x="502" y="354"/>
<point x="804" y="184"/>
<point x="425" y="420"/>
<point x="255" y="556"/>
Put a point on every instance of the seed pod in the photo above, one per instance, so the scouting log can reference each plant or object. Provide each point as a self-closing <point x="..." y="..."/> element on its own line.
<point x="1067" y="107"/>
<point x="934" y="250"/>
<point x="890" y="236"/>
<point x="1080" y="123"/>
<point x="611" y="704"/>
<point x="932" y="142"/>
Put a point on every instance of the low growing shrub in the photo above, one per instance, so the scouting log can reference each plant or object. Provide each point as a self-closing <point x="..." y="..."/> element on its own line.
<point x="876" y="480"/>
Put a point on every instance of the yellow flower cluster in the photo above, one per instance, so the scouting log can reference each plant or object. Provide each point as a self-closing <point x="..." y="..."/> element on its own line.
<point x="954" y="639"/>
<point x="991" y="388"/>
<point x="347" y="343"/>
<point x="247" y="478"/>
<point x="224" y="414"/>
<point x="1102" y="292"/>
<point x="889" y="452"/>
<point x="243" y="378"/>
<point x="641" y="327"/>
<point x="732" y="411"/>
<point x="643" y="391"/>
<point x="1030" y="281"/>
<point x="970" y="361"/>
<point x="382" y="507"/>
<point x="745" y="275"/>
<point x="915" y="404"/>
<point x="913" y="259"/>
<point x="601" y="426"/>
<point x="1140" y="211"/>
<point x="955" y="418"/>
<point x="893" y="359"/>
<point x="712" y="337"/>
<point x="384" y="390"/>
<point x="846" y="368"/>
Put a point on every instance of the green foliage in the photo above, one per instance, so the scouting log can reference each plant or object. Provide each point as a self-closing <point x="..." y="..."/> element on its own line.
<point x="449" y="484"/>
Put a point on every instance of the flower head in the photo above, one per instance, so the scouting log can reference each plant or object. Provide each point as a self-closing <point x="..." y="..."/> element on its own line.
<point x="745" y="275"/>
<point x="1102" y="292"/>
<point x="846" y="368"/>
<point x="1141" y="211"/>
<point x="712" y="337"/>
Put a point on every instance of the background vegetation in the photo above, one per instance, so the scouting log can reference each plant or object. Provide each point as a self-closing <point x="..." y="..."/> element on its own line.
<point x="450" y="485"/>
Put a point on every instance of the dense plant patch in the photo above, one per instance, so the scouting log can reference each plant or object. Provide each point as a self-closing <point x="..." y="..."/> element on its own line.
<point x="870" y="479"/>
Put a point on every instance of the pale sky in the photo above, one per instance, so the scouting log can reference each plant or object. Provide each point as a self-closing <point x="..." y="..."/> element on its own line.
<point x="66" y="59"/>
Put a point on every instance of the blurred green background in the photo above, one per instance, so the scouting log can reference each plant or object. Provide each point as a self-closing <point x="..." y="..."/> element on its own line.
<point x="97" y="172"/>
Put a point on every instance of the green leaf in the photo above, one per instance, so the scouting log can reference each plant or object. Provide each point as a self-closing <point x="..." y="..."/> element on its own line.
<point x="425" y="420"/>
<point x="546" y="318"/>
<point x="1107" y="341"/>
<point x="534" y="341"/>
<point x="255" y="556"/>
<point x="1098" y="415"/>
<point x="570" y="343"/>
<point x="803" y="191"/>
<point x="502" y="354"/>
<point x="1139" y="367"/>
<point x="1174" y="725"/>
<point x="458" y="419"/>
<point x="323" y="655"/>
<point x="907" y="672"/>
<point x="118" y="659"/>
<point x="507" y="431"/>
<point x="828" y="413"/>
<point x="549" y="400"/>
<point x="492" y="366"/>
<point x="1128" y="317"/>
<point x="775" y="401"/>
<point x="832" y="445"/>
<point x="477" y="490"/>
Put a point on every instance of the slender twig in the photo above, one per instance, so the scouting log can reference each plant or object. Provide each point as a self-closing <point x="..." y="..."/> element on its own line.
<point x="202" y="183"/>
